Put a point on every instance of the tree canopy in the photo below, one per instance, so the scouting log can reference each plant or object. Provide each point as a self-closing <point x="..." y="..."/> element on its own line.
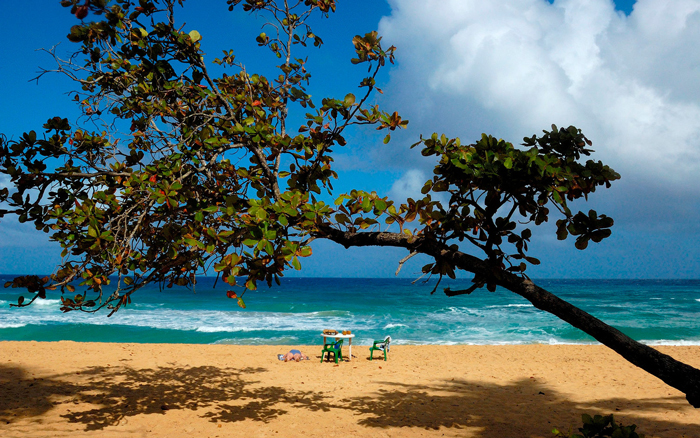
<point x="197" y="166"/>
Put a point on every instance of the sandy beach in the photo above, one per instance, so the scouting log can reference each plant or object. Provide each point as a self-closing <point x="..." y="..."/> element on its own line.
<point x="62" y="389"/>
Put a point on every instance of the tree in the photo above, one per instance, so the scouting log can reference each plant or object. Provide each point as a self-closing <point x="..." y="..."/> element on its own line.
<point x="197" y="168"/>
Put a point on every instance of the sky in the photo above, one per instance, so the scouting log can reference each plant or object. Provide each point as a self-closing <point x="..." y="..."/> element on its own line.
<point x="626" y="73"/>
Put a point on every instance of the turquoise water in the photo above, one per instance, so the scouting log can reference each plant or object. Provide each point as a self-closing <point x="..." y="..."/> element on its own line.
<point x="652" y="311"/>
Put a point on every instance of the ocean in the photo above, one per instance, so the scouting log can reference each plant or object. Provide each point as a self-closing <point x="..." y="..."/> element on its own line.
<point x="655" y="312"/>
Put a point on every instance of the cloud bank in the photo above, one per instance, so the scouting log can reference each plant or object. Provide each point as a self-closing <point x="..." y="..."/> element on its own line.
<point x="514" y="67"/>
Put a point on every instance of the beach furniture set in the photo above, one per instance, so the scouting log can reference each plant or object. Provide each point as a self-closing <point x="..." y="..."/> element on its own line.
<point x="333" y="344"/>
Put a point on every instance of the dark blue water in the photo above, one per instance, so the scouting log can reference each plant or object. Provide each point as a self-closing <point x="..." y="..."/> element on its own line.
<point x="651" y="311"/>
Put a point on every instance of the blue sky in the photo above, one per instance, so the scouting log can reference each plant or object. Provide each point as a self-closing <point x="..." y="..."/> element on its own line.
<point x="624" y="72"/>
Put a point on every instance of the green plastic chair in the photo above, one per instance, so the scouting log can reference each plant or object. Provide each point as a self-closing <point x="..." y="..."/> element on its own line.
<point x="334" y="347"/>
<point x="382" y="345"/>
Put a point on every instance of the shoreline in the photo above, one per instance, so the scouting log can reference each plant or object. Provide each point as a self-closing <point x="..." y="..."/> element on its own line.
<point x="181" y="390"/>
<point x="226" y="342"/>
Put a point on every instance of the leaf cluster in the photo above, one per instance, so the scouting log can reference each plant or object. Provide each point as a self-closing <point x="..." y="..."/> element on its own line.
<point x="488" y="194"/>
<point x="191" y="171"/>
<point x="496" y="190"/>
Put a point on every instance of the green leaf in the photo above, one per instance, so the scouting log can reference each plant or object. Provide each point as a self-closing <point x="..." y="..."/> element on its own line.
<point x="556" y="197"/>
<point x="199" y="216"/>
<point x="349" y="100"/>
<point x="581" y="242"/>
<point x="195" y="243"/>
<point x="195" y="36"/>
<point x="562" y="232"/>
<point x="532" y="260"/>
<point x="599" y="235"/>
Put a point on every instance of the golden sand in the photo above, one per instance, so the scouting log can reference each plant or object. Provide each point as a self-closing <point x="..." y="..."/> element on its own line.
<point x="60" y="389"/>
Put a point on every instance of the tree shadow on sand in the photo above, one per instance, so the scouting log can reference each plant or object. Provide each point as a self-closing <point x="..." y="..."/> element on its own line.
<point x="124" y="392"/>
<point x="22" y="395"/>
<point x="524" y="408"/>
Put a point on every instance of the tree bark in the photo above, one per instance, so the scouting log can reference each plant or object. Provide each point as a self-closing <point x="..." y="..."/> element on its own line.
<point x="672" y="372"/>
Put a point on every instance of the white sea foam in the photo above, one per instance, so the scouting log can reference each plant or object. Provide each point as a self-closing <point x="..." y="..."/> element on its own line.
<point x="491" y="342"/>
<point x="477" y="322"/>
<point x="509" y="305"/>
<point x="147" y="306"/>
<point x="207" y="321"/>
<point x="283" y="340"/>
<point x="390" y="326"/>
<point x="327" y="313"/>
<point x="216" y="329"/>
<point x="448" y="328"/>
<point x="40" y="302"/>
<point x="6" y="325"/>
<point x="229" y="329"/>
<point x="450" y="312"/>
<point x="671" y="342"/>
<point x="423" y="342"/>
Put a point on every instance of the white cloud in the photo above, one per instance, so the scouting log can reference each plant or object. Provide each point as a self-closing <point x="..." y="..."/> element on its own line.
<point x="514" y="67"/>
<point x="408" y="186"/>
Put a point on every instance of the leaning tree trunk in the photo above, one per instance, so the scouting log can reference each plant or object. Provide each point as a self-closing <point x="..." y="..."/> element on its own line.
<point x="674" y="373"/>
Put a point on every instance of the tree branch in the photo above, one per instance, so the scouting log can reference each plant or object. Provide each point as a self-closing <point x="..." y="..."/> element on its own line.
<point x="674" y="373"/>
<point x="404" y="260"/>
